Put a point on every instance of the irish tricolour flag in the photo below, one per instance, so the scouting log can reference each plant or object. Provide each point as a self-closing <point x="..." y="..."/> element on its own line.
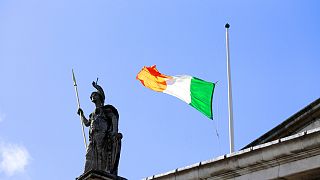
<point x="192" y="90"/>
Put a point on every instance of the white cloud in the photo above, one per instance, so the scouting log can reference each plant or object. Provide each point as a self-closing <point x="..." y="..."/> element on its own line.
<point x="13" y="158"/>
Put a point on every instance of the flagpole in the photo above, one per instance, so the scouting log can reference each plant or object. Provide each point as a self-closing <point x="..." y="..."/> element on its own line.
<point x="230" y="106"/>
<point x="78" y="101"/>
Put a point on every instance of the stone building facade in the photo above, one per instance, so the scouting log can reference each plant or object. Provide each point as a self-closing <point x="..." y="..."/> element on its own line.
<point x="290" y="151"/>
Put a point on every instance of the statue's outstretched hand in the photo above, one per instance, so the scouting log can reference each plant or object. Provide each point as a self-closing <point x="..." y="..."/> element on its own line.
<point x="80" y="112"/>
<point x="94" y="84"/>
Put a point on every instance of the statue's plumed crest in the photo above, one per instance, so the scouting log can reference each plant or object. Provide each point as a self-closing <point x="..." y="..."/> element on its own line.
<point x="100" y="90"/>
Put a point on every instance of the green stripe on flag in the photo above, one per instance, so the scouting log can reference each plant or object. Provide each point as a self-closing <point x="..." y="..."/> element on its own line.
<point x="201" y="96"/>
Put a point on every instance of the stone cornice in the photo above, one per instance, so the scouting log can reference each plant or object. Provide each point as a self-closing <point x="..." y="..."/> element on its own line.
<point x="270" y="155"/>
<point x="291" y="125"/>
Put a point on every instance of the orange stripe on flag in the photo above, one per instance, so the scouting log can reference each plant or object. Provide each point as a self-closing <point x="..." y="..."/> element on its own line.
<point x="151" y="78"/>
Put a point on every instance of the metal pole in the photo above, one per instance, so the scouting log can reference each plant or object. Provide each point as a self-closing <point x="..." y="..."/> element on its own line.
<point x="78" y="101"/>
<point x="230" y="106"/>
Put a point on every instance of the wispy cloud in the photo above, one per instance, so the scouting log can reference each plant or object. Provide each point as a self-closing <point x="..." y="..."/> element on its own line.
<point x="13" y="158"/>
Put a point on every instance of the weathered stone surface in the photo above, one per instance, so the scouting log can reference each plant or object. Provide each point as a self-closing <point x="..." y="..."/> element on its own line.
<point x="292" y="157"/>
<point x="103" y="151"/>
<point x="99" y="175"/>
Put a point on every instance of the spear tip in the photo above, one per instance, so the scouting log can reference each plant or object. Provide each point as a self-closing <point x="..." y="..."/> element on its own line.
<point x="74" y="78"/>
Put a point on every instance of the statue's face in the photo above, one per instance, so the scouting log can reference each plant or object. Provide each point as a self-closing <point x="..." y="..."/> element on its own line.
<point x="95" y="97"/>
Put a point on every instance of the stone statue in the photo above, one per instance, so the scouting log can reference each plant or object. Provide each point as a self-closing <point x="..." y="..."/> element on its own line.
<point x="104" y="147"/>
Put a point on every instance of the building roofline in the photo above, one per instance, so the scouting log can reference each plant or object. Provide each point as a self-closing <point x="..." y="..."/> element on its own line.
<point x="291" y="125"/>
<point x="286" y="132"/>
<point x="245" y="153"/>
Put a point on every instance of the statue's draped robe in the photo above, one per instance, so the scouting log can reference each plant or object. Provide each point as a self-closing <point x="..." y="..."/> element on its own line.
<point x="104" y="140"/>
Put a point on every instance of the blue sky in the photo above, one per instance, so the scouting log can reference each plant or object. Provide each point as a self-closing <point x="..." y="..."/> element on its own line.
<point x="274" y="61"/>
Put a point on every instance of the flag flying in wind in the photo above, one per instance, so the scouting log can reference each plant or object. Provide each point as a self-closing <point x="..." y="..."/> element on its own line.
<point x="192" y="90"/>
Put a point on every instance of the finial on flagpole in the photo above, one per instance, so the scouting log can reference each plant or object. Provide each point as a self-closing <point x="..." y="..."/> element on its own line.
<point x="227" y="26"/>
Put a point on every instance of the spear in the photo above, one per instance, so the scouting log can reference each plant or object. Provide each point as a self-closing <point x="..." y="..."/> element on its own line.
<point x="78" y="101"/>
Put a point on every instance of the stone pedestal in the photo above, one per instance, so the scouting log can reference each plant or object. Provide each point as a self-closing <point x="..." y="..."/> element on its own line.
<point x="99" y="175"/>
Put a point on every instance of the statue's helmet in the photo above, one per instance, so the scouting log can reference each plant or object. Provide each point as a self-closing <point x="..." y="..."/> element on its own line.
<point x="99" y="92"/>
